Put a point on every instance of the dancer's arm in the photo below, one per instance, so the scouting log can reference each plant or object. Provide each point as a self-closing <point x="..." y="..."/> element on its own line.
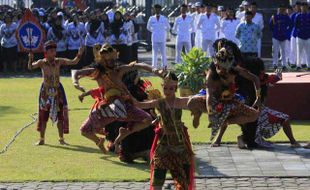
<point x="139" y="66"/>
<point x="78" y="74"/>
<point x="65" y="61"/>
<point x="211" y="92"/>
<point x="147" y="104"/>
<point x="81" y="97"/>
<point x="248" y="75"/>
<point x="33" y="65"/>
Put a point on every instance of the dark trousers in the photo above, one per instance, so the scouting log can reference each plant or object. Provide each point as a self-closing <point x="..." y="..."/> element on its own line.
<point x="249" y="54"/>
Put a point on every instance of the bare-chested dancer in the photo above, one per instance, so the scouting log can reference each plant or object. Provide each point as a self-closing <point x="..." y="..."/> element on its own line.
<point x="224" y="108"/>
<point x="52" y="98"/>
<point x="117" y="104"/>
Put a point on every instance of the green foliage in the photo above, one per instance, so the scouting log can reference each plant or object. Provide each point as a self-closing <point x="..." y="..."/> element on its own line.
<point x="191" y="72"/>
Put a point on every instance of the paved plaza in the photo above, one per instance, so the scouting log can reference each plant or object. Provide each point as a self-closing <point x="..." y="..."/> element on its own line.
<point x="223" y="168"/>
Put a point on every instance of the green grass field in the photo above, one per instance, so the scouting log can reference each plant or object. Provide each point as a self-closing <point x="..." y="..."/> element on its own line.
<point x="81" y="161"/>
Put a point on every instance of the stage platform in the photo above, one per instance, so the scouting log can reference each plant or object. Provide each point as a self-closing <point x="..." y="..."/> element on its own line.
<point x="291" y="95"/>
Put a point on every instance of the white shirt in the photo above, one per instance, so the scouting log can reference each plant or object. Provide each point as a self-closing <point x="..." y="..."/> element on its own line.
<point x="183" y="28"/>
<point x="158" y="28"/>
<point x="122" y="39"/>
<point x="75" y="35"/>
<point x="240" y="15"/>
<point x="110" y="14"/>
<point x="7" y="34"/>
<point x="97" y="38"/>
<point x="229" y="28"/>
<point x="196" y="21"/>
<point x="129" y="31"/>
<point x="258" y="19"/>
<point x="61" y="43"/>
<point x="208" y="26"/>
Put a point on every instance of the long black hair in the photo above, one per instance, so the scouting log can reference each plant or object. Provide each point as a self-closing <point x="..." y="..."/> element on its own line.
<point x="117" y="24"/>
<point x="58" y="28"/>
<point x="94" y="25"/>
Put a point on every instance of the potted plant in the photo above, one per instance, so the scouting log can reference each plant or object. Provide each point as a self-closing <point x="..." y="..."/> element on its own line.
<point x="191" y="71"/>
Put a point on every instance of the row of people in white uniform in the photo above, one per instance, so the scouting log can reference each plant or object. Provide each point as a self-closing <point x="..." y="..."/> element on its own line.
<point x="76" y="34"/>
<point x="204" y="24"/>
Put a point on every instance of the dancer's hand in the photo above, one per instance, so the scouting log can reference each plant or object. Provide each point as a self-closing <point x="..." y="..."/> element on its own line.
<point x="80" y="88"/>
<point x="257" y="104"/>
<point x="81" y="97"/>
<point x="81" y="50"/>
<point x="30" y="57"/>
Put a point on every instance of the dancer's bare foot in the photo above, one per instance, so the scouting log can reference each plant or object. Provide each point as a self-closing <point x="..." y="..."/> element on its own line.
<point x="122" y="133"/>
<point x="295" y="145"/>
<point x="307" y="146"/>
<point x="117" y="148"/>
<point x="63" y="142"/>
<point x="240" y="142"/>
<point x="101" y="146"/>
<point x="215" y="144"/>
<point x="40" y="142"/>
<point x="196" y="119"/>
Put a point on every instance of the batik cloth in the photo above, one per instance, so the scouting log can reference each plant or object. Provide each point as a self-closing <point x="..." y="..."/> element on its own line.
<point x="53" y="104"/>
<point x="269" y="123"/>
<point x="171" y="150"/>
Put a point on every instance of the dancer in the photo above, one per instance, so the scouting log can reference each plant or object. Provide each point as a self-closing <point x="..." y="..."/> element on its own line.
<point x="269" y="121"/>
<point x="52" y="98"/>
<point x="171" y="148"/>
<point x="224" y="105"/>
<point x="117" y="105"/>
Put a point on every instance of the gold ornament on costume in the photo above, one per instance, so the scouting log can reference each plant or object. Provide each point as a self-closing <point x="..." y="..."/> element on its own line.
<point x="224" y="58"/>
<point x="104" y="53"/>
<point x="152" y="93"/>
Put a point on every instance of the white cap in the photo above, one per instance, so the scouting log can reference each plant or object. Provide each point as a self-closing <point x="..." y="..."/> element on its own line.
<point x="60" y="14"/>
<point x="197" y="4"/>
<point x="220" y="8"/>
<point x="245" y="3"/>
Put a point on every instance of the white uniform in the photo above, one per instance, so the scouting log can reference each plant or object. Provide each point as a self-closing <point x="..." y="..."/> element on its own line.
<point x="159" y="26"/>
<point x="76" y="35"/>
<point x="208" y="25"/>
<point x="259" y="20"/>
<point x="183" y="27"/>
<point x="220" y="33"/>
<point x="240" y="15"/>
<point x="61" y="42"/>
<point x="129" y="31"/>
<point x="198" y="34"/>
<point x="121" y="39"/>
<point x="96" y="38"/>
<point x="110" y="14"/>
<point x="193" y="15"/>
<point x="229" y="27"/>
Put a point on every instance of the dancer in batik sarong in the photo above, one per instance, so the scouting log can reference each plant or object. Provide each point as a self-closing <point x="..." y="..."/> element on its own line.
<point x="171" y="148"/>
<point x="117" y="104"/>
<point x="52" y="98"/>
<point x="224" y="105"/>
<point x="269" y="121"/>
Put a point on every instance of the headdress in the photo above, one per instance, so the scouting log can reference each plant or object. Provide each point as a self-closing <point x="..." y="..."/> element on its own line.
<point x="170" y="78"/>
<point x="50" y="45"/>
<point x="224" y="58"/>
<point x="106" y="52"/>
